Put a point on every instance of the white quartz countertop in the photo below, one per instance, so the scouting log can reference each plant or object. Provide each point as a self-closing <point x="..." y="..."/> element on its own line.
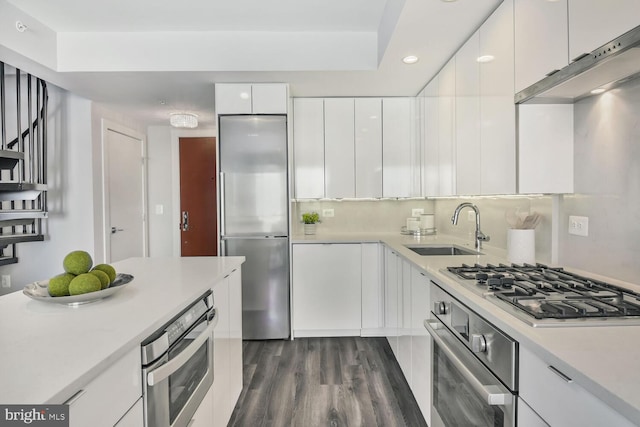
<point x="602" y="359"/>
<point x="50" y="351"/>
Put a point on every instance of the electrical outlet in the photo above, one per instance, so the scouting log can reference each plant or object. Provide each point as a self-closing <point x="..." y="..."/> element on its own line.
<point x="327" y="213"/>
<point x="471" y="216"/>
<point x="159" y="209"/>
<point x="6" y="281"/>
<point x="417" y="212"/>
<point x="579" y="225"/>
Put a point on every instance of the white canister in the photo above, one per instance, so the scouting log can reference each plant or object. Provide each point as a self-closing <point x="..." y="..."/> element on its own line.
<point x="521" y="246"/>
<point x="413" y="223"/>
<point x="427" y="221"/>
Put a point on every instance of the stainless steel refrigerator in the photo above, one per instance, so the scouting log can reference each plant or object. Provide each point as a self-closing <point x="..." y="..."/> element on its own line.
<point x="254" y="218"/>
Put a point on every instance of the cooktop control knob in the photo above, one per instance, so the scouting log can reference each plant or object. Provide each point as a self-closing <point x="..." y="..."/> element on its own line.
<point x="478" y="343"/>
<point x="507" y="282"/>
<point x="481" y="278"/>
<point x="494" y="283"/>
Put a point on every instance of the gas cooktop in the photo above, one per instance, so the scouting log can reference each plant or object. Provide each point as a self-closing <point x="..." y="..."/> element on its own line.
<point x="551" y="296"/>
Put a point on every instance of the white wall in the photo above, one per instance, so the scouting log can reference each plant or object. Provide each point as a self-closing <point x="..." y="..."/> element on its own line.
<point x="607" y="185"/>
<point x="70" y="182"/>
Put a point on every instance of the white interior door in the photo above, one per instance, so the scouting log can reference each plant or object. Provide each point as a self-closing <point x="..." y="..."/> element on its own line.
<point x="125" y="219"/>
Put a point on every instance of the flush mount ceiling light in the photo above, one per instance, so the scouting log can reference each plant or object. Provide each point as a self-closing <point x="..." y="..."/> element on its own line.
<point x="183" y="120"/>
<point x="485" y="58"/>
<point x="411" y="59"/>
<point x="598" y="91"/>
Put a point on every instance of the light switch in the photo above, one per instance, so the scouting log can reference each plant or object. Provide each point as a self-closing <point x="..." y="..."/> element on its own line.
<point x="159" y="209"/>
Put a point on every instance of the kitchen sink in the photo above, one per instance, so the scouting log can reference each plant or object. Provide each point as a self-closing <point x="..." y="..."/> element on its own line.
<point x="435" y="250"/>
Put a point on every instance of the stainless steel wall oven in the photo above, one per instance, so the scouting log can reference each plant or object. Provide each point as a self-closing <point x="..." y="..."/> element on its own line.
<point x="474" y="373"/>
<point x="177" y="365"/>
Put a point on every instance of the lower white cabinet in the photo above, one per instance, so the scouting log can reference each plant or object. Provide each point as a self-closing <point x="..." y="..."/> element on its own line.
<point x="326" y="289"/>
<point x="227" y="350"/>
<point x="108" y="397"/>
<point x="557" y="399"/>
<point x="527" y="416"/>
<point x="392" y="281"/>
<point x="421" y="342"/>
<point x="134" y="416"/>
<point x="404" y="320"/>
<point x="372" y="290"/>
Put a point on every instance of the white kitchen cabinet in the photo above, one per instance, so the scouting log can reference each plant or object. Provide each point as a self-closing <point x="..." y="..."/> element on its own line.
<point x="593" y="23"/>
<point x="541" y="40"/>
<point x="446" y="128"/>
<point x="430" y="139"/>
<point x="269" y="98"/>
<point x="545" y="143"/>
<point x="246" y="98"/>
<point x="134" y="416"/>
<point x="368" y="147"/>
<point x="392" y="279"/>
<point x="339" y="148"/>
<point x="227" y="348"/>
<point x="400" y="150"/>
<point x="372" y="290"/>
<point x="543" y="386"/>
<point x="308" y="147"/>
<point x="467" y="117"/>
<point x="404" y="321"/>
<point x="235" y="336"/>
<point x="326" y="289"/>
<point x="420" y="342"/>
<point x="497" y="108"/>
<point x="527" y="416"/>
<point x="120" y="385"/>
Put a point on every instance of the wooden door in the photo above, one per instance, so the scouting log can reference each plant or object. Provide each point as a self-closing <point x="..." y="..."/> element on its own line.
<point x="198" y="201"/>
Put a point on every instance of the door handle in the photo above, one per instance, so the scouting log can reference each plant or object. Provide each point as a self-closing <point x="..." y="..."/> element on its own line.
<point x="185" y="221"/>
<point x="114" y="230"/>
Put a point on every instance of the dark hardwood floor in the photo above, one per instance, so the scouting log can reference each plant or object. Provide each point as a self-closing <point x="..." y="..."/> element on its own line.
<point x="312" y="382"/>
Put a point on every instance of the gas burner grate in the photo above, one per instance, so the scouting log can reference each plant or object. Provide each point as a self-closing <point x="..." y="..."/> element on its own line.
<point x="551" y="292"/>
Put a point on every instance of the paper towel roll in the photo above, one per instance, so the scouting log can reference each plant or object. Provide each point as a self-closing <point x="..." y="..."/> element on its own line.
<point x="521" y="246"/>
<point x="427" y="221"/>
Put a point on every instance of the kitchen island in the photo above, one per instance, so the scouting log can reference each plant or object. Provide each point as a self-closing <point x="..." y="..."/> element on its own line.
<point x="50" y="351"/>
<point x="599" y="359"/>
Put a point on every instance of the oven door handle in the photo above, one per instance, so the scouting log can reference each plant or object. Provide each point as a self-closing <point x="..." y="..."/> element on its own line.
<point x="490" y="393"/>
<point x="163" y="371"/>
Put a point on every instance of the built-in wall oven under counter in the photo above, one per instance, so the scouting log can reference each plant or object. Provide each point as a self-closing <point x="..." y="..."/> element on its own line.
<point x="177" y="365"/>
<point x="475" y="367"/>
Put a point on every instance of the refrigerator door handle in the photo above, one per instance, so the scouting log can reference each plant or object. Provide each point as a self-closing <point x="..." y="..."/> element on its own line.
<point x="222" y="201"/>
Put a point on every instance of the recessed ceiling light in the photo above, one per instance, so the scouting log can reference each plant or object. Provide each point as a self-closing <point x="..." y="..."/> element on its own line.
<point x="411" y="59"/>
<point x="485" y="58"/>
<point x="244" y="95"/>
<point x="598" y="91"/>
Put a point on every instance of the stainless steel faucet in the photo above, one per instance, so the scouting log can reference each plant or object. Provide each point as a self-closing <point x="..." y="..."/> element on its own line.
<point x="480" y="236"/>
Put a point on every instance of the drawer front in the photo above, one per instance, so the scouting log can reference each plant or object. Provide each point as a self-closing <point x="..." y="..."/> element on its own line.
<point x="108" y="397"/>
<point x="558" y="399"/>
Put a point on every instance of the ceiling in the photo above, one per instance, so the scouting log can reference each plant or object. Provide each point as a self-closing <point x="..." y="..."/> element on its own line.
<point x="149" y="58"/>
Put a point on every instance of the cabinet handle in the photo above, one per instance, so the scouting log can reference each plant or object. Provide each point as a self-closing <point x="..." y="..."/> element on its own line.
<point x="551" y="73"/>
<point x="560" y="374"/>
<point x="74" y="398"/>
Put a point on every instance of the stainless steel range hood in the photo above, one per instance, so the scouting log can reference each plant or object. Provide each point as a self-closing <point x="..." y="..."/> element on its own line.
<point x="606" y="67"/>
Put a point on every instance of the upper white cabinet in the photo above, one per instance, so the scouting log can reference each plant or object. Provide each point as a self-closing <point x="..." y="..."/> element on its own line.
<point x="308" y="147"/>
<point x="593" y="23"/>
<point x="545" y="143"/>
<point x="368" y="143"/>
<point x="339" y="148"/>
<point x="246" y="98"/>
<point x="467" y="117"/>
<point x="400" y="148"/>
<point x="446" y="128"/>
<point x="430" y="138"/>
<point x="497" y="109"/>
<point x="541" y="40"/>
